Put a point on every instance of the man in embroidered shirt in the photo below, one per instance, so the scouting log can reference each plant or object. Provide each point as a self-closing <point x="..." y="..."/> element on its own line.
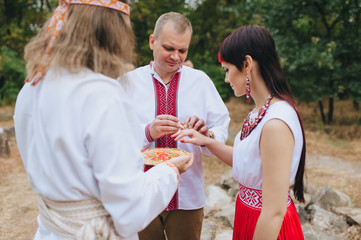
<point x="168" y="96"/>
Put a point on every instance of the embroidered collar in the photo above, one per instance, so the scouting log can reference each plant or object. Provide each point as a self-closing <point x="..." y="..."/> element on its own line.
<point x="156" y="76"/>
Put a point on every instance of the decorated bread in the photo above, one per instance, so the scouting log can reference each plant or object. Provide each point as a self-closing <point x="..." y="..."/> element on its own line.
<point x="155" y="156"/>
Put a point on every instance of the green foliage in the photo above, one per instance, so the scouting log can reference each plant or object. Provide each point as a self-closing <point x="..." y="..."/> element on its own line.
<point x="310" y="69"/>
<point x="318" y="41"/>
<point x="319" y="46"/>
<point x="12" y="75"/>
<point x="213" y="21"/>
<point x="19" y="22"/>
<point x="352" y="84"/>
<point x="216" y="73"/>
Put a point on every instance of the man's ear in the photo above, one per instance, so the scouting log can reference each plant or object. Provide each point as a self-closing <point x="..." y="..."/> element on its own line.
<point x="151" y="41"/>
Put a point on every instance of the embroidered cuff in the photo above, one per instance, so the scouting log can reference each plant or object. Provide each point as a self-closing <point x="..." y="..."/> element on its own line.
<point x="147" y="133"/>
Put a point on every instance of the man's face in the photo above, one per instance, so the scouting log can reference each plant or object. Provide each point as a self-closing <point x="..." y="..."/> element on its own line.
<point x="170" y="49"/>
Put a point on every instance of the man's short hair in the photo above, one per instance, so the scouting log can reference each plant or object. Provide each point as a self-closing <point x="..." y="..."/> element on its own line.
<point x="179" y="22"/>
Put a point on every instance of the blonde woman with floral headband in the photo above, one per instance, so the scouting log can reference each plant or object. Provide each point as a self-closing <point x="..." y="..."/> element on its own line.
<point x="77" y="133"/>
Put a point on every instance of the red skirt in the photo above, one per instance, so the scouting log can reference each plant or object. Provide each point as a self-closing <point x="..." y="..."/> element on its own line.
<point x="248" y="209"/>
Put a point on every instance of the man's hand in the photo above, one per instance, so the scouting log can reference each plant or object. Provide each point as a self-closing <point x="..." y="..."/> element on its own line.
<point x="163" y="125"/>
<point x="197" y="124"/>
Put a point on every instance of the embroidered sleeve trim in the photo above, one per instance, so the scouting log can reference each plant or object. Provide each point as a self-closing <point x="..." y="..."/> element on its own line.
<point x="147" y="133"/>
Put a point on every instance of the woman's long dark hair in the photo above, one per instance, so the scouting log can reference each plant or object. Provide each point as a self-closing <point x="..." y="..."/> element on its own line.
<point x="257" y="42"/>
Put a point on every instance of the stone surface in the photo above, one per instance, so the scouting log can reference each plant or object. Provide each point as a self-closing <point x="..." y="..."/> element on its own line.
<point x="226" y="216"/>
<point x="4" y="144"/>
<point x="353" y="215"/>
<point x="224" y="235"/>
<point x="209" y="229"/>
<point x="217" y="197"/>
<point x="327" y="198"/>
<point x="321" y="216"/>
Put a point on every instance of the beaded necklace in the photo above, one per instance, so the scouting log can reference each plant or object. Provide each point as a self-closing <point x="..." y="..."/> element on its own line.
<point x="249" y="124"/>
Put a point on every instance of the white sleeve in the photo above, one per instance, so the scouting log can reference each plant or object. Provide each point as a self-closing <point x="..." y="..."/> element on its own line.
<point x="133" y="198"/>
<point x="217" y="116"/>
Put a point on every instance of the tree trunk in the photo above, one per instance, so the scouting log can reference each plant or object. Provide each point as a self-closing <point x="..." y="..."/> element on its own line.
<point x="330" y="110"/>
<point x="8" y="11"/>
<point x="49" y="6"/>
<point x="356" y="105"/>
<point x="322" y="112"/>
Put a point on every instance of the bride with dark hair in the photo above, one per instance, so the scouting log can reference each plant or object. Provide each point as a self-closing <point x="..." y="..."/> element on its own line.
<point x="268" y="156"/>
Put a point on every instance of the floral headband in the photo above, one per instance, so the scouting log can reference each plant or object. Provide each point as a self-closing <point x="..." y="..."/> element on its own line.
<point x="57" y="21"/>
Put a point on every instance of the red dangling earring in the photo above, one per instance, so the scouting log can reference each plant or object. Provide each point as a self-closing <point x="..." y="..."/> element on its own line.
<point x="248" y="89"/>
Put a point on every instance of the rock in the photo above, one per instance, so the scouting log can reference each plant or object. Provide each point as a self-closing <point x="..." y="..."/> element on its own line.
<point x="312" y="233"/>
<point x="233" y="192"/>
<point x="327" y="198"/>
<point x="352" y="215"/>
<point x="309" y="233"/>
<point x="302" y="214"/>
<point x="326" y="221"/>
<point x="226" y="180"/>
<point x="224" y="235"/>
<point x="10" y="131"/>
<point x="209" y="211"/>
<point x="4" y="144"/>
<point x="228" y="183"/>
<point x="217" y="197"/>
<point x="208" y="230"/>
<point x="226" y="216"/>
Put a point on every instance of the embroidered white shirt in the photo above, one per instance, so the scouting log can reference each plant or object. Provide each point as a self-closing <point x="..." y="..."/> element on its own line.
<point x="77" y="136"/>
<point x="247" y="164"/>
<point x="197" y="96"/>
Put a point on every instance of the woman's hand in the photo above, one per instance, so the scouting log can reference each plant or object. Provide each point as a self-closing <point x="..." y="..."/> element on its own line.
<point x="194" y="137"/>
<point x="182" y="163"/>
<point x="222" y="151"/>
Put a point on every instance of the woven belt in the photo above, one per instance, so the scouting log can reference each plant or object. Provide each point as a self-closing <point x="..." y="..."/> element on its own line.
<point x="85" y="219"/>
<point x="253" y="197"/>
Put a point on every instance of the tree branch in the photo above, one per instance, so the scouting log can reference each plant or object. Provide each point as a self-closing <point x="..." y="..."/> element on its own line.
<point x="323" y="18"/>
<point x="49" y="5"/>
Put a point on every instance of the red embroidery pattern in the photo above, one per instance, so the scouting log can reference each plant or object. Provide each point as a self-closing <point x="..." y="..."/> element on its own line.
<point x="249" y="125"/>
<point x="253" y="197"/>
<point x="166" y="103"/>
